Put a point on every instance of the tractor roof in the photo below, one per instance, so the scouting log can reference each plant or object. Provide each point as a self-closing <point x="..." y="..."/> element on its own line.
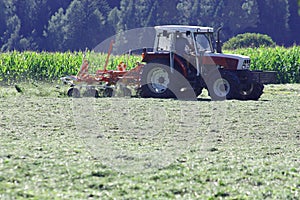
<point x="183" y="28"/>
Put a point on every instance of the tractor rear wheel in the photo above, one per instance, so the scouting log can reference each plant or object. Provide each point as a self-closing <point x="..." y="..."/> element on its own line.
<point x="156" y="81"/>
<point x="223" y="86"/>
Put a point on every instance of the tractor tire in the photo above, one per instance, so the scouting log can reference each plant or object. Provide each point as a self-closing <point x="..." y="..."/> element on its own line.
<point x="198" y="91"/>
<point x="156" y="81"/>
<point x="223" y="85"/>
<point x="251" y="91"/>
<point x="73" y="92"/>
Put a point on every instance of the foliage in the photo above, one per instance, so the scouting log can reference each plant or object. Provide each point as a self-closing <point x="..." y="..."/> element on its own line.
<point x="274" y="19"/>
<point x="74" y="25"/>
<point x="286" y="61"/>
<point x="81" y="26"/>
<point x="23" y="66"/>
<point x="249" y="40"/>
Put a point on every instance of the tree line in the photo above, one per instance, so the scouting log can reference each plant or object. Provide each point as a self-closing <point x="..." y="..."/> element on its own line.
<point x="62" y="25"/>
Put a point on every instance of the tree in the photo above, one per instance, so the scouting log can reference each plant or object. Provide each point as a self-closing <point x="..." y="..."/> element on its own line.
<point x="2" y="21"/>
<point x="294" y="23"/>
<point x="55" y="32"/>
<point x="240" y="15"/>
<point x="246" y="40"/>
<point x="274" y="16"/>
<point x="82" y="25"/>
<point x="10" y="38"/>
<point x="114" y="3"/>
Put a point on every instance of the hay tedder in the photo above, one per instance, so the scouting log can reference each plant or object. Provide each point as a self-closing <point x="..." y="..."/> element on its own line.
<point x="183" y="63"/>
<point x="104" y="82"/>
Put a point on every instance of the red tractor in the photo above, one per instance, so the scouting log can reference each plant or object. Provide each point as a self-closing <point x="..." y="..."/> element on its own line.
<point x="183" y="62"/>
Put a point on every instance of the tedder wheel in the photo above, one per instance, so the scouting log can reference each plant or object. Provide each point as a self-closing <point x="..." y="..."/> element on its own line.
<point x="108" y="92"/>
<point x="156" y="81"/>
<point x="223" y="86"/>
<point x="73" y="92"/>
<point x="251" y="91"/>
<point x="92" y="92"/>
<point x="126" y="92"/>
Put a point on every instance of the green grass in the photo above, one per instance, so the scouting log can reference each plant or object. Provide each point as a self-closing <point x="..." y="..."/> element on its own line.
<point x="236" y="149"/>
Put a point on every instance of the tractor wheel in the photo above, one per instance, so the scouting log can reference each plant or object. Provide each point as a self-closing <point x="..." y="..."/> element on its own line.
<point x="156" y="81"/>
<point x="251" y="91"/>
<point x="198" y="91"/>
<point x="73" y="92"/>
<point x="223" y="86"/>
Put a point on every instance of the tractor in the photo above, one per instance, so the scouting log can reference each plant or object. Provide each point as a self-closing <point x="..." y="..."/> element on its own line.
<point x="181" y="64"/>
<point x="184" y="62"/>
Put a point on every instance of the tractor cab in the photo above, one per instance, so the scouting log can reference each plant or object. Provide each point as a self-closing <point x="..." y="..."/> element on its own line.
<point x="198" y="38"/>
<point x="181" y="45"/>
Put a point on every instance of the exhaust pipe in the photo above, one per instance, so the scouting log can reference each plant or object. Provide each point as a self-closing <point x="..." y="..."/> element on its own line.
<point x="218" y="42"/>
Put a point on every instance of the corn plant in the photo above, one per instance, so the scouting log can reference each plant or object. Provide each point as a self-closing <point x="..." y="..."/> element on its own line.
<point x="50" y="66"/>
<point x="285" y="61"/>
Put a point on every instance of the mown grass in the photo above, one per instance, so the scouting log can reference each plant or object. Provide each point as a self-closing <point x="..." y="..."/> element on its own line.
<point x="242" y="149"/>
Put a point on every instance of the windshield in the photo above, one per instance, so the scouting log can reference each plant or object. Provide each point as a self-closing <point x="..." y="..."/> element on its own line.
<point x="203" y="42"/>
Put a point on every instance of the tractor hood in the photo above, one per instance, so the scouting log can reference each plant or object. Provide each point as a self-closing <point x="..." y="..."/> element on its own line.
<point x="227" y="61"/>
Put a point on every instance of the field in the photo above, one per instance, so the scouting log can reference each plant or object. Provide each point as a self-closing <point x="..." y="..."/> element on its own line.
<point x="49" y="66"/>
<point x="54" y="147"/>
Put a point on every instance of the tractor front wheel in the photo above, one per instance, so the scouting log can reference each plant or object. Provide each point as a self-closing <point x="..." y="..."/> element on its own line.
<point x="251" y="91"/>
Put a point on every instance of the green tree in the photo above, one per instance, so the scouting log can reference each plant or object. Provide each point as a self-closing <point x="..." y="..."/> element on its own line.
<point x="144" y="13"/>
<point x="55" y="32"/>
<point x="11" y="36"/>
<point x="2" y="21"/>
<point x="82" y="25"/>
<point x="246" y="40"/>
<point x="234" y="16"/>
<point x="274" y="17"/>
<point x="239" y="15"/>
<point x="198" y="12"/>
<point x="294" y="20"/>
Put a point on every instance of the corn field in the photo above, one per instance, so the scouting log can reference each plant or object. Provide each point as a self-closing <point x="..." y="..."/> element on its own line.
<point x="285" y="61"/>
<point x="46" y="66"/>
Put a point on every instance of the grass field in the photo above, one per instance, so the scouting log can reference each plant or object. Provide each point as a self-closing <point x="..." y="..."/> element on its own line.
<point x="54" y="147"/>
